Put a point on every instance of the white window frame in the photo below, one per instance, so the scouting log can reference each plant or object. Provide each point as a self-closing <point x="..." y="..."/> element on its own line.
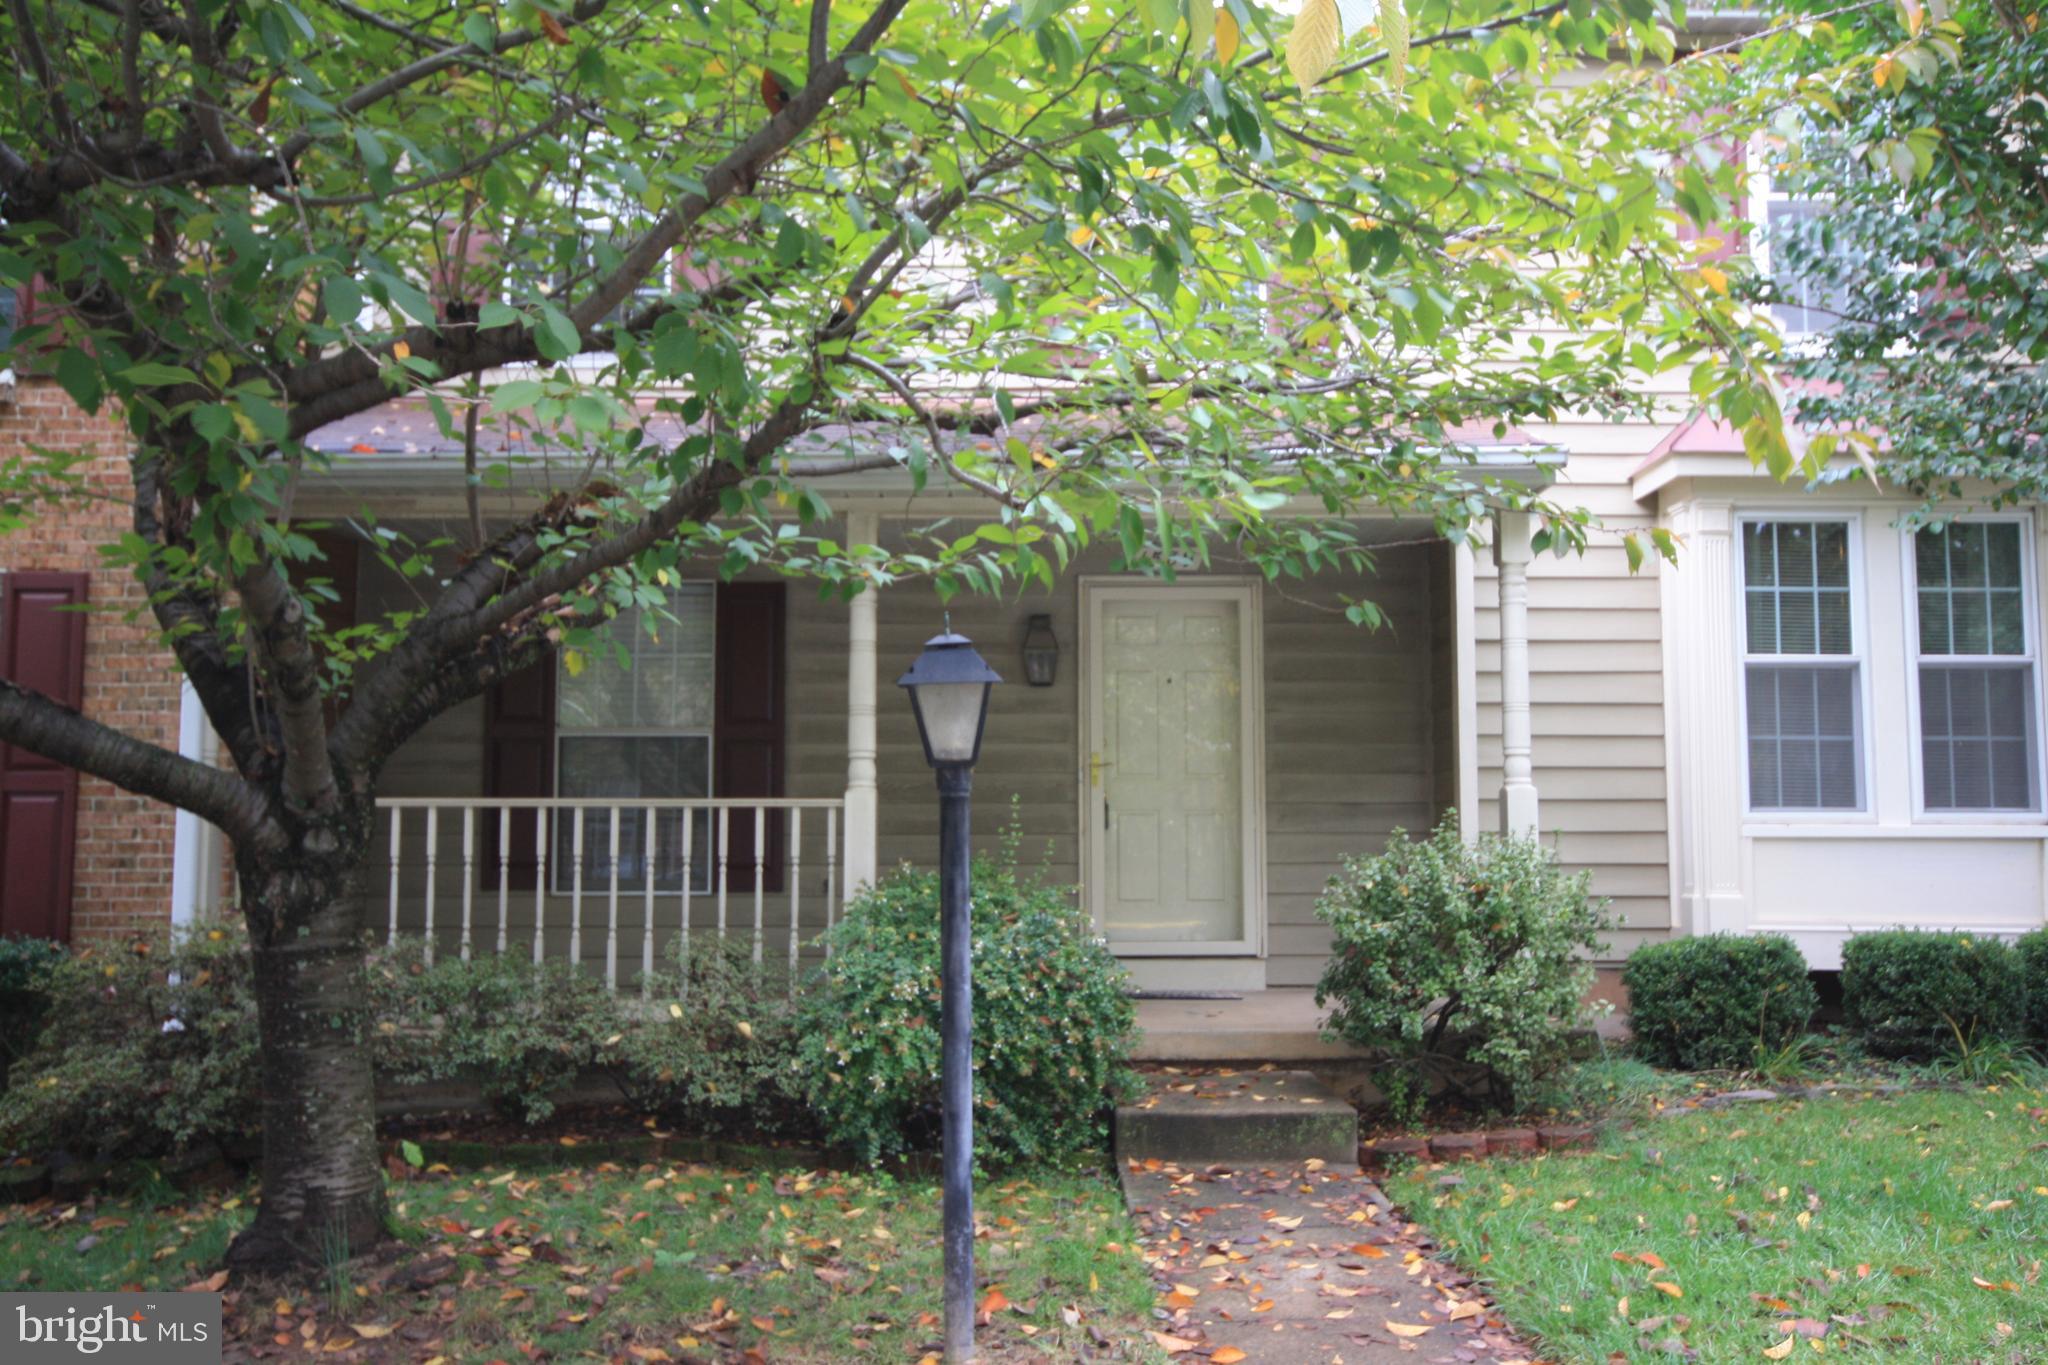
<point x="562" y="870"/>
<point x="1865" y="809"/>
<point x="1762" y="195"/>
<point x="2030" y="607"/>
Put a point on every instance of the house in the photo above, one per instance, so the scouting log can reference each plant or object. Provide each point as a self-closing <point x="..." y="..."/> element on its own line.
<point x="1815" y="723"/>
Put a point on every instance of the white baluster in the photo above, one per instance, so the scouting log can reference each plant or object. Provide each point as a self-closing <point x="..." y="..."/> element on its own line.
<point x="647" y="818"/>
<point x="540" y="883"/>
<point x="611" y="933"/>
<point x="468" y="871"/>
<point x="504" y="871"/>
<point x="831" y="871"/>
<point x="576" y="893"/>
<point x="796" y="880"/>
<point x="397" y="831"/>
<point x="760" y="874"/>
<point x="689" y="881"/>
<point x="433" y="853"/>
<point x="724" y="850"/>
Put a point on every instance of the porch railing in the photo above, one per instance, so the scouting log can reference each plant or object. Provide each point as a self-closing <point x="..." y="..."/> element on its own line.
<point x="479" y="867"/>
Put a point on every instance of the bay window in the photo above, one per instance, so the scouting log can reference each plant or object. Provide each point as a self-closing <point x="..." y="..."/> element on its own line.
<point x="1802" y="667"/>
<point x="1978" y="728"/>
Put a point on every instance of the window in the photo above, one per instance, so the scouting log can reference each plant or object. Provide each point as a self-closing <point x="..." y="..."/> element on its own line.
<point x="1976" y="668"/>
<point x="1805" y="306"/>
<point x="639" y="731"/>
<point x="1801" y="671"/>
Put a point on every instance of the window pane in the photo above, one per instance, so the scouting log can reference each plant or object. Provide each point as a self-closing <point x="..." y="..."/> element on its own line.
<point x="1834" y="622"/>
<point x="2008" y="622"/>
<point x="1977" y="743"/>
<point x="1759" y="559"/>
<point x="1795" y="554"/>
<point x="2002" y="554"/>
<point x="1934" y="638"/>
<point x="1831" y="548"/>
<point x="1966" y="555"/>
<point x="1930" y="559"/>
<point x="1796" y="634"/>
<point x="1763" y="622"/>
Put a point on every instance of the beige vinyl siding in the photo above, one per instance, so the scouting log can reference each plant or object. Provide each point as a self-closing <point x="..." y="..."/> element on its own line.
<point x="1596" y="690"/>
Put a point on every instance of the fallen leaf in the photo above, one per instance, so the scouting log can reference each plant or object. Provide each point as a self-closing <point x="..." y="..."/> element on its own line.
<point x="1669" y="1288"/>
<point x="1226" y="1355"/>
<point x="1172" y="1345"/>
<point x="370" y="1331"/>
<point x="1407" y="1329"/>
<point x="1781" y="1350"/>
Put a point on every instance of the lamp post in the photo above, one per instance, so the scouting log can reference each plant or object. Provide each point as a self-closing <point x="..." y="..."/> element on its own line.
<point x="949" y="687"/>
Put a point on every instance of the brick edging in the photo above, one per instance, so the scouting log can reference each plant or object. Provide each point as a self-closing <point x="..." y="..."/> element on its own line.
<point x="1374" y="1153"/>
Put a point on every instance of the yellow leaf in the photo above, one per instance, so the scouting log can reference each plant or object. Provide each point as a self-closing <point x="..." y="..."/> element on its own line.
<point x="675" y="1011"/>
<point x="1716" y="280"/>
<point x="1882" y="72"/>
<point x="1669" y="1288"/>
<point x="1226" y="1355"/>
<point x="370" y="1331"/>
<point x="1313" y="43"/>
<point x="746" y="1030"/>
<point x="1781" y="1350"/>
<point x="1082" y="235"/>
<point x="1407" y="1329"/>
<point x="400" y="349"/>
<point x="1394" y="28"/>
<point x="1201" y="26"/>
<point x="1227" y="39"/>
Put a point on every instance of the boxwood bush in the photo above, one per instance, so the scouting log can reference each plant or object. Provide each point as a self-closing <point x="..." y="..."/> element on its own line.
<point x="1915" y="995"/>
<point x="2033" y="951"/>
<point x="148" y="1047"/>
<point x="1463" y="966"/>
<point x="1052" y="1024"/>
<point x="715" y="1049"/>
<point x="1717" y="1000"/>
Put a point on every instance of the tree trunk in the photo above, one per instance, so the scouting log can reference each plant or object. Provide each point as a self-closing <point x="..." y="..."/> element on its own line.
<point x="323" y="1186"/>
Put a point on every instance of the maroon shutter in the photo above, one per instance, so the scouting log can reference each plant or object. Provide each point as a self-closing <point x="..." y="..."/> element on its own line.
<point x="44" y="648"/>
<point x="519" y="760"/>
<point x="747" y="716"/>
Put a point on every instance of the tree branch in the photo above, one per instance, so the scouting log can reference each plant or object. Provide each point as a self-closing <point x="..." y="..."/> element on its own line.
<point x="34" y="722"/>
<point x="291" y="671"/>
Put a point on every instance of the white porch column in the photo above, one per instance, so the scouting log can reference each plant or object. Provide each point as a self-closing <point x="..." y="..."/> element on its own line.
<point x="1707" y="750"/>
<point x="196" y="845"/>
<point x="1511" y="555"/>
<point x="862" y="859"/>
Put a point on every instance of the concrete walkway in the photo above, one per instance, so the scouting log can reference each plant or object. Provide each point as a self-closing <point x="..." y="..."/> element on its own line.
<point x="1281" y="1025"/>
<point x="1301" y="1265"/>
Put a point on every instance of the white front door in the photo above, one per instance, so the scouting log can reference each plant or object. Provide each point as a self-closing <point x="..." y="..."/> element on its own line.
<point x="1172" y="769"/>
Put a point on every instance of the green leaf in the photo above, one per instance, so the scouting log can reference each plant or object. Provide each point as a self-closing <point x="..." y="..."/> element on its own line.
<point x="152" y="374"/>
<point x="410" y="1150"/>
<point x="79" y="375"/>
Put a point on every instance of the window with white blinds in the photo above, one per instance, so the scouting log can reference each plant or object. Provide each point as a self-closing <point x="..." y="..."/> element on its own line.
<point x="1802" y="667"/>
<point x="1978" y="741"/>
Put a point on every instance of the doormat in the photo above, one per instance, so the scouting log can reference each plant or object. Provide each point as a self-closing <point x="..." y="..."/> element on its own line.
<point x="1184" y="995"/>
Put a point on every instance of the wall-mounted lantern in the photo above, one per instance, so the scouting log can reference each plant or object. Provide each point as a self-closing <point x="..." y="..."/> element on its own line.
<point x="1041" y="652"/>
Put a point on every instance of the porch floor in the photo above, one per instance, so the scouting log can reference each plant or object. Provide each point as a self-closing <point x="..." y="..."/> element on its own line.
<point x="1280" y="1025"/>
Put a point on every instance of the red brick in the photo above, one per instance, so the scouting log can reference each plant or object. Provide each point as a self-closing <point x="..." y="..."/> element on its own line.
<point x="1566" y="1137"/>
<point x="1458" y="1146"/>
<point x="1511" y="1142"/>
<point x="1375" y="1153"/>
<point x="122" y="874"/>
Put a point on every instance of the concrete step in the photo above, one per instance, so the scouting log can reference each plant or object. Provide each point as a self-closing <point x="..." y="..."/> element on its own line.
<point x="1247" y="1117"/>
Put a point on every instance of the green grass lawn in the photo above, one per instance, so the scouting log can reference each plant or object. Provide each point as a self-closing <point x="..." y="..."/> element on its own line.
<point x="1909" y="1228"/>
<point x="656" y="1263"/>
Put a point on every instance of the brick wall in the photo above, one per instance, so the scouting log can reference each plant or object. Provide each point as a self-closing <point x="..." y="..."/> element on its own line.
<point x="122" y="876"/>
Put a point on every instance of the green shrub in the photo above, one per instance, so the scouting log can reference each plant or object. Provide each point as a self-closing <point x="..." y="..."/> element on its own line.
<point x="1718" y="1000"/>
<point x="1052" y="1025"/>
<point x="25" y="965"/>
<point x="147" y="1048"/>
<point x="1460" y="965"/>
<point x="716" y="1050"/>
<point x="2033" y="951"/>
<point x="1914" y="994"/>
<point x="522" y="1032"/>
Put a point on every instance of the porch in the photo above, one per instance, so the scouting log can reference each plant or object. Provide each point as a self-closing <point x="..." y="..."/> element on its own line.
<point x="1201" y="760"/>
